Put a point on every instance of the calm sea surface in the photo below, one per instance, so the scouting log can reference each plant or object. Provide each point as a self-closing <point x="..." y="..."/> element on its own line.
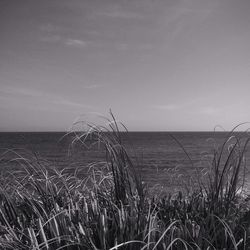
<point x="162" y="160"/>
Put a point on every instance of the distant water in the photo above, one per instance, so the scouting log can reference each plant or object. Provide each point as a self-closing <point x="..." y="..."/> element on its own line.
<point x="162" y="160"/>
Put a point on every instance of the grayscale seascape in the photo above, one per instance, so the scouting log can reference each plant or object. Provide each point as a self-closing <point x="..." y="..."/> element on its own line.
<point x="152" y="101"/>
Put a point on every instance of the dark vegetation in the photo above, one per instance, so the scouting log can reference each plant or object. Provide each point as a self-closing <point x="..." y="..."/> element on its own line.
<point x="112" y="209"/>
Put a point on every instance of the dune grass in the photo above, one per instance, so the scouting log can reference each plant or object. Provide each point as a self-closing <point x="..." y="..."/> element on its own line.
<point x="111" y="208"/>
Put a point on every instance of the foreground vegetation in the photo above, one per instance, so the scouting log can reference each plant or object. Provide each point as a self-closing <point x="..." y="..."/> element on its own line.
<point x="112" y="209"/>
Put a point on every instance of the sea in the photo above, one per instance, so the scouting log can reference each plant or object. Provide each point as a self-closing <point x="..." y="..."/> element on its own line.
<point x="164" y="159"/>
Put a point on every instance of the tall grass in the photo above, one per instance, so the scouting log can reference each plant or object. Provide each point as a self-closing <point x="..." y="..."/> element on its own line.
<point x="110" y="209"/>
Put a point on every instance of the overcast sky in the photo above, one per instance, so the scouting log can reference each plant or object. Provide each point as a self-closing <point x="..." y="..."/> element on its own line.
<point x="158" y="64"/>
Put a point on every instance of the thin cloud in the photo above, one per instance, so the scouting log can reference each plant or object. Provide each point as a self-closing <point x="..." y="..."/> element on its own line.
<point x="209" y="110"/>
<point x="183" y="15"/>
<point x="75" y="42"/>
<point x="17" y="91"/>
<point x="188" y="104"/>
<point x="51" y="38"/>
<point x="93" y="86"/>
<point x="191" y="108"/>
<point x="120" y="14"/>
<point x="135" y="47"/>
<point x="49" y="28"/>
<point x="62" y="40"/>
<point x="168" y="107"/>
<point x="118" y="11"/>
<point x="14" y="93"/>
<point x="65" y="102"/>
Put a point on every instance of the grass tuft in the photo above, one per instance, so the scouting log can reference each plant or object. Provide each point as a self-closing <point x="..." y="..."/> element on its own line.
<point x="43" y="208"/>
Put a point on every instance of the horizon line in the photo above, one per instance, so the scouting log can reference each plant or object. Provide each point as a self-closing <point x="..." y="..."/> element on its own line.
<point x="130" y="131"/>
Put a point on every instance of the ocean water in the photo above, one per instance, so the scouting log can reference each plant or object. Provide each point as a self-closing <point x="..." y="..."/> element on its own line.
<point x="161" y="160"/>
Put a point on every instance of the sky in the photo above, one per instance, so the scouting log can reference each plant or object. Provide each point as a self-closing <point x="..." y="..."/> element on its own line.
<point x="159" y="65"/>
